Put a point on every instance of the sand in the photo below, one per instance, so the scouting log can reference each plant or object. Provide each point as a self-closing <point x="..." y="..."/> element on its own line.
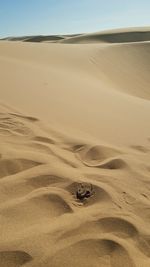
<point x="75" y="150"/>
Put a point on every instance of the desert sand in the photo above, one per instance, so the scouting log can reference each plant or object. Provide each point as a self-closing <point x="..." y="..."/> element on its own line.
<point x="75" y="150"/>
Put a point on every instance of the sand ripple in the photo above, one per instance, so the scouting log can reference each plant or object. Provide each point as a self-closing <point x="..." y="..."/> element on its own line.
<point x="43" y="221"/>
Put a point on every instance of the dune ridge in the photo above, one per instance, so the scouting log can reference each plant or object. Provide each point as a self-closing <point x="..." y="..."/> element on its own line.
<point x="40" y="38"/>
<point x="114" y="36"/>
<point x="75" y="151"/>
<point x="126" y="35"/>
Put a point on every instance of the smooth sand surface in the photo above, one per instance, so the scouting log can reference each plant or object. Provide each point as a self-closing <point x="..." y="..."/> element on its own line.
<point x="75" y="151"/>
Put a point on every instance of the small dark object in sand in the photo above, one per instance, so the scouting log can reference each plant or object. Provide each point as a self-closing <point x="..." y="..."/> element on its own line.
<point x="83" y="192"/>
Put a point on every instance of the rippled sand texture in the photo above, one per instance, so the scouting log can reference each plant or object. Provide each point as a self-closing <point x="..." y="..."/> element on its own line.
<point x="87" y="129"/>
<point x="42" y="221"/>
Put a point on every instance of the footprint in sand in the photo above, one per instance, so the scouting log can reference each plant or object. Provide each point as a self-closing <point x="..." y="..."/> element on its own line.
<point x="42" y="139"/>
<point x="34" y="208"/>
<point x="140" y="148"/>
<point x="10" y="125"/>
<point x="92" y="252"/>
<point x="14" y="258"/>
<point x="100" y="157"/>
<point x="119" y="227"/>
<point x="45" y="180"/>
<point x="114" y="225"/>
<point x="13" y="166"/>
<point x="29" y="118"/>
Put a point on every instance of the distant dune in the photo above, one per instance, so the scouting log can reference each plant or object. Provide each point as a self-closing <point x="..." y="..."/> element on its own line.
<point x="75" y="150"/>
<point x="40" y="38"/>
<point x="114" y="36"/>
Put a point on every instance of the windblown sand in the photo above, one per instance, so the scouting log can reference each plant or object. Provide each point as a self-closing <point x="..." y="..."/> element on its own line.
<point x="75" y="114"/>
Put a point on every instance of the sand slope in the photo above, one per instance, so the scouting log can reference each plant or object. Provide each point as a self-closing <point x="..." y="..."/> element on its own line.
<point x="74" y="118"/>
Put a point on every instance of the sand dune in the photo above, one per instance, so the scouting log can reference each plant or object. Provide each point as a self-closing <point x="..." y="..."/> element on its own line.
<point x="37" y="38"/>
<point x="127" y="35"/>
<point x="40" y="38"/>
<point x="113" y="36"/>
<point x="75" y="153"/>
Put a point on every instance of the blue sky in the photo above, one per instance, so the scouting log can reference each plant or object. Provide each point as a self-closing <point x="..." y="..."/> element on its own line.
<point x="23" y="17"/>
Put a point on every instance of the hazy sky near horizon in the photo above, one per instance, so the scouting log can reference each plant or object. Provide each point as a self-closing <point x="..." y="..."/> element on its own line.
<point x="27" y="17"/>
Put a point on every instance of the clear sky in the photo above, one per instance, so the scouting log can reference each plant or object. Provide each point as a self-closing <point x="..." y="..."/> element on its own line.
<point x="27" y="17"/>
